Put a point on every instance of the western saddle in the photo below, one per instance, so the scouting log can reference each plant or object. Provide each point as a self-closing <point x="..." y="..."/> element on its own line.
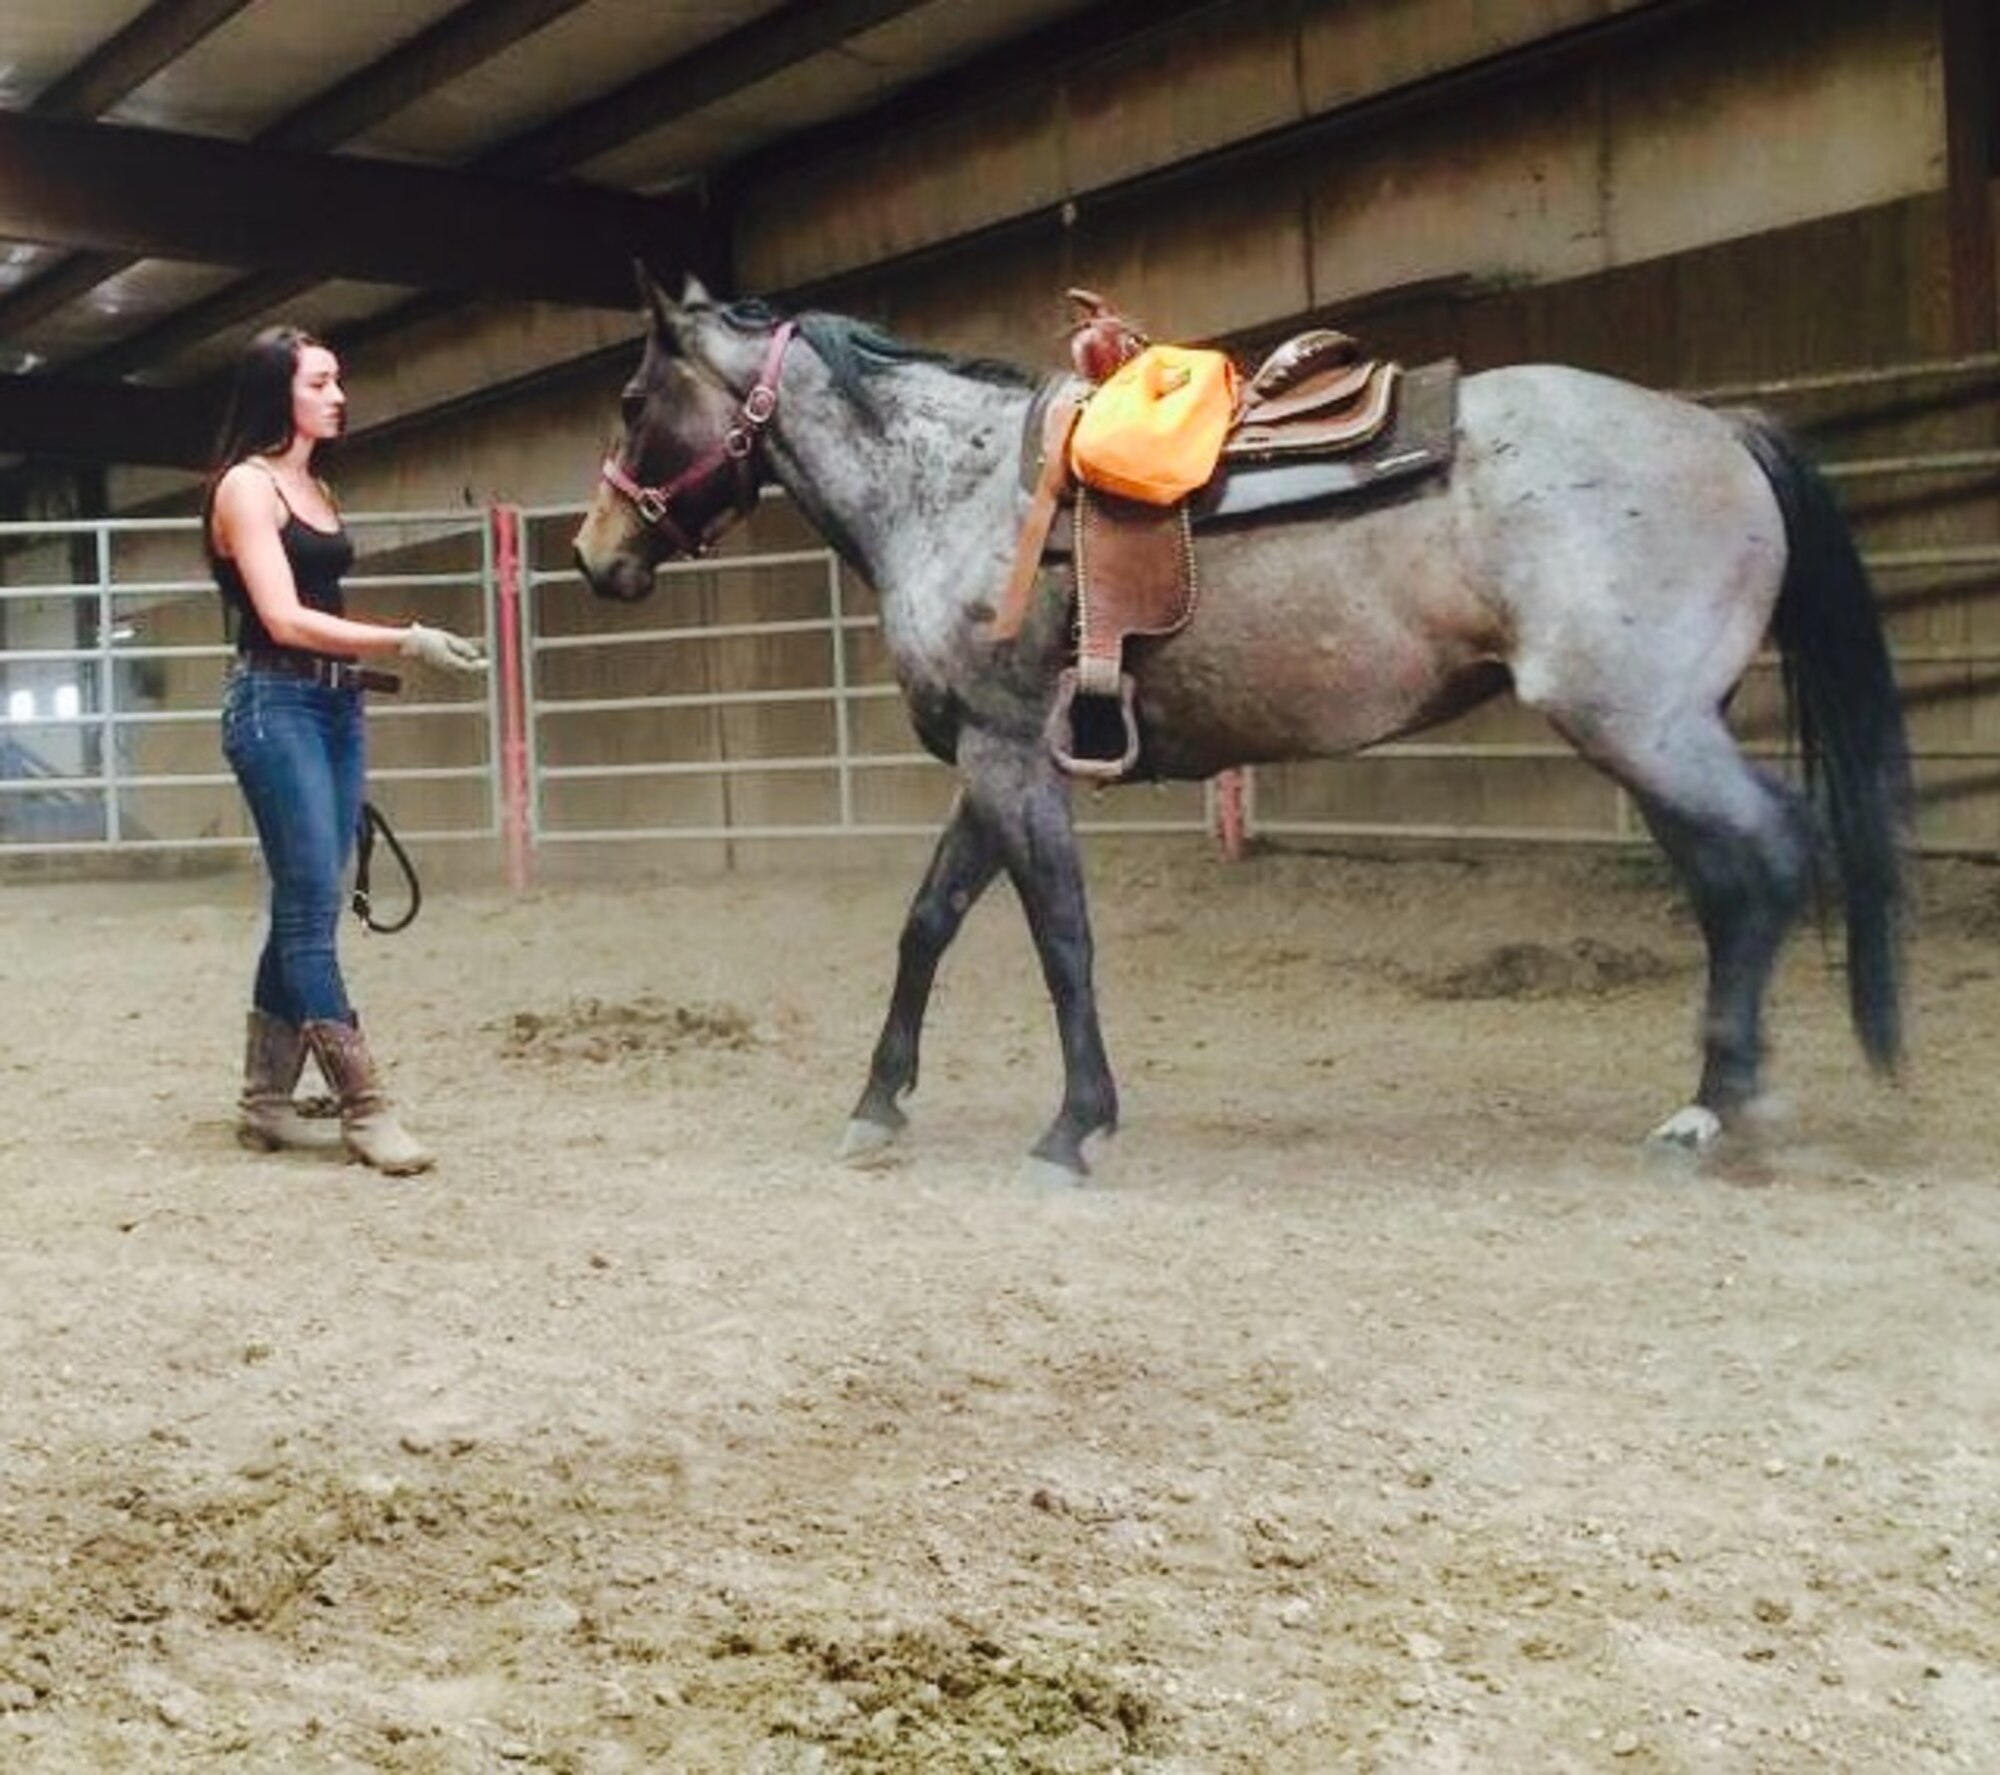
<point x="1317" y="419"/>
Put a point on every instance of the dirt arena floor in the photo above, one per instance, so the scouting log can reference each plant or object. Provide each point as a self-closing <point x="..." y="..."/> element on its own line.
<point x="1377" y="1407"/>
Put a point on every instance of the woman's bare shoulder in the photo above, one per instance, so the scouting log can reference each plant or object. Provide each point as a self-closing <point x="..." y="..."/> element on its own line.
<point x="250" y="472"/>
<point x="246" y="504"/>
<point x="246" y="489"/>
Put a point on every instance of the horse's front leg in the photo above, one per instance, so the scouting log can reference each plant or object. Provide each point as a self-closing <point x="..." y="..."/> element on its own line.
<point x="1015" y="789"/>
<point x="962" y="867"/>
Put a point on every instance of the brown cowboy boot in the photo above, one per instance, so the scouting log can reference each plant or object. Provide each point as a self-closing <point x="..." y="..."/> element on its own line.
<point x="267" y="1117"/>
<point x="368" y="1124"/>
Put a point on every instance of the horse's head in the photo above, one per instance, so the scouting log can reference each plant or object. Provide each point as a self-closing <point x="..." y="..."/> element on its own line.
<point x="688" y="460"/>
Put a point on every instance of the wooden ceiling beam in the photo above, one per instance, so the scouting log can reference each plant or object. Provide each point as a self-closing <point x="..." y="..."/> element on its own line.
<point x="234" y="305"/>
<point x="164" y="31"/>
<point x="460" y="41"/>
<point x="65" y="418"/>
<point x="164" y="195"/>
<point x="126" y="60"/>
<point x="455" y="44"/>
<point x="48" y="292"/>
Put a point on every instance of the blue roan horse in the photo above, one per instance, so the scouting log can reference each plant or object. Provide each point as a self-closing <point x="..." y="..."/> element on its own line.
<point x="1613" y="554"/>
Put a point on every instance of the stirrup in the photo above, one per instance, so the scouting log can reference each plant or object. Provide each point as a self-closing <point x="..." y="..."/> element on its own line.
<point x="1060" y="731"/>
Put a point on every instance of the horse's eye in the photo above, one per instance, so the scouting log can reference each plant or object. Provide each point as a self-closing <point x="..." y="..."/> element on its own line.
<point x="630" y="408"/>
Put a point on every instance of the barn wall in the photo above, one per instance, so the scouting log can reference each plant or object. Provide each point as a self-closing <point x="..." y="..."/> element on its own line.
<point x="1739" y="124"/>
<point x="1758" y="192"/>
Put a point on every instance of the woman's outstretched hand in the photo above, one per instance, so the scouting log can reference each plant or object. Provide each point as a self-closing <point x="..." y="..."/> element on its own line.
<point x="441" y="650"/>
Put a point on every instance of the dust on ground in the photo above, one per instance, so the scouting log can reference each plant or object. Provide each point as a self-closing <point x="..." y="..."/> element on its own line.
<point x="1377" y="1407"/>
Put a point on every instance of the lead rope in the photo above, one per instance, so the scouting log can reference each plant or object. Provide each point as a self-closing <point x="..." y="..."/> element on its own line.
<point x="372" y="822"/>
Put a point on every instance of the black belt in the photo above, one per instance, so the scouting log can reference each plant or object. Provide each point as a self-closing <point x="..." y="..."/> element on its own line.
<point x="317" y="668"/>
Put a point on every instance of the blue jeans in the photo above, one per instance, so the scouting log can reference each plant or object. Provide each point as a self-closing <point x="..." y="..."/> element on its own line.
<point x="298" y="749"/>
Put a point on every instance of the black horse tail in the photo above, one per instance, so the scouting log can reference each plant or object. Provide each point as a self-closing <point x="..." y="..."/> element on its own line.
<point x="1842" y="704"/>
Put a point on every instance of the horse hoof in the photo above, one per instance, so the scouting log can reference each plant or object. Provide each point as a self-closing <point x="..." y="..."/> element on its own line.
<point x="868" y="1145"/>
<point x="1687" y="1134"/>
<point x="1051" y="1176"/>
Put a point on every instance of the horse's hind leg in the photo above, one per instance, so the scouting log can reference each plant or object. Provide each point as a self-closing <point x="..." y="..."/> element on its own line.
<point x="1747" y="894"/>
<point x="966" y="860"/>
<point x="1741" y="842"/>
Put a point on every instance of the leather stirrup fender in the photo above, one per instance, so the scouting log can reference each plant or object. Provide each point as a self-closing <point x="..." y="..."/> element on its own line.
<point x="1012" y="610"/>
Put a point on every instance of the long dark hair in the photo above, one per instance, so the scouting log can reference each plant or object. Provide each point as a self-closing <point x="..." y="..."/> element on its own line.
<point x="258" y="419"/>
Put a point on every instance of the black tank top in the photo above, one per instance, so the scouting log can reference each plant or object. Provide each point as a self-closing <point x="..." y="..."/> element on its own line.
<point x="319" y="559"/>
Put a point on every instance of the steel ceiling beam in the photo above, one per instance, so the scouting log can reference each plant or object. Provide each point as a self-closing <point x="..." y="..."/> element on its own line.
<point x="455" y="44"/>
<point x="164" y="31"/>
<point x="64" y="417"/>
<point x="125" y="61"/>
<point x="71" y="417"/>
<point x="716" y="71"/>
<point x="165" y="195"/>
<point x="234" y="305"/>
<point x="57" y="417"/>
<point x="68" y="280"/>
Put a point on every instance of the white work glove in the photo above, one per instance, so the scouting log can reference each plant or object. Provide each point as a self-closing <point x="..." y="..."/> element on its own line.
<point x="441" y="650"/>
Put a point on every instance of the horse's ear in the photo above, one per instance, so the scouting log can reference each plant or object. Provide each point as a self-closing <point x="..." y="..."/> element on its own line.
<point x="694" y="293"/>
<point x="656" y="299"/>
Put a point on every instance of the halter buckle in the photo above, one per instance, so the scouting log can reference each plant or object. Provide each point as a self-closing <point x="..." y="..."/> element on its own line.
<point x="650" y="504"/>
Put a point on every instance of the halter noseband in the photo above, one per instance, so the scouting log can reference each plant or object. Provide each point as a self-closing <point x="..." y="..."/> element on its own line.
<point x="690" y="523"/>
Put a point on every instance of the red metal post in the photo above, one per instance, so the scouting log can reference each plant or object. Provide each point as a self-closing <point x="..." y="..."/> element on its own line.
<point x="1231" y="813"/>
<point x="505" y="521"/>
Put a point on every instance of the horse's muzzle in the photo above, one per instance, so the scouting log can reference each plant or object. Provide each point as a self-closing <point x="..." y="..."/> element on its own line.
<point x="623" y="577"/>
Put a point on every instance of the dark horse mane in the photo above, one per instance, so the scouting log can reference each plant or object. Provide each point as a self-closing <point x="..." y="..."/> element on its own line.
<point x="853" y="351"/>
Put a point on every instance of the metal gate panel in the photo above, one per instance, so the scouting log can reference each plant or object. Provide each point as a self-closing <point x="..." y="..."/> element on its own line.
<point x="112" y="663"/>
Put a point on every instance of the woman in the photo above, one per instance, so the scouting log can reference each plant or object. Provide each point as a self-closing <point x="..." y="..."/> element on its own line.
<point x="292" y="732"/>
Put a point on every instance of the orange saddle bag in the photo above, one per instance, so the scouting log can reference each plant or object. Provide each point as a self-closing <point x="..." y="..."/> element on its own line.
<point x="1153" y="429"/>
